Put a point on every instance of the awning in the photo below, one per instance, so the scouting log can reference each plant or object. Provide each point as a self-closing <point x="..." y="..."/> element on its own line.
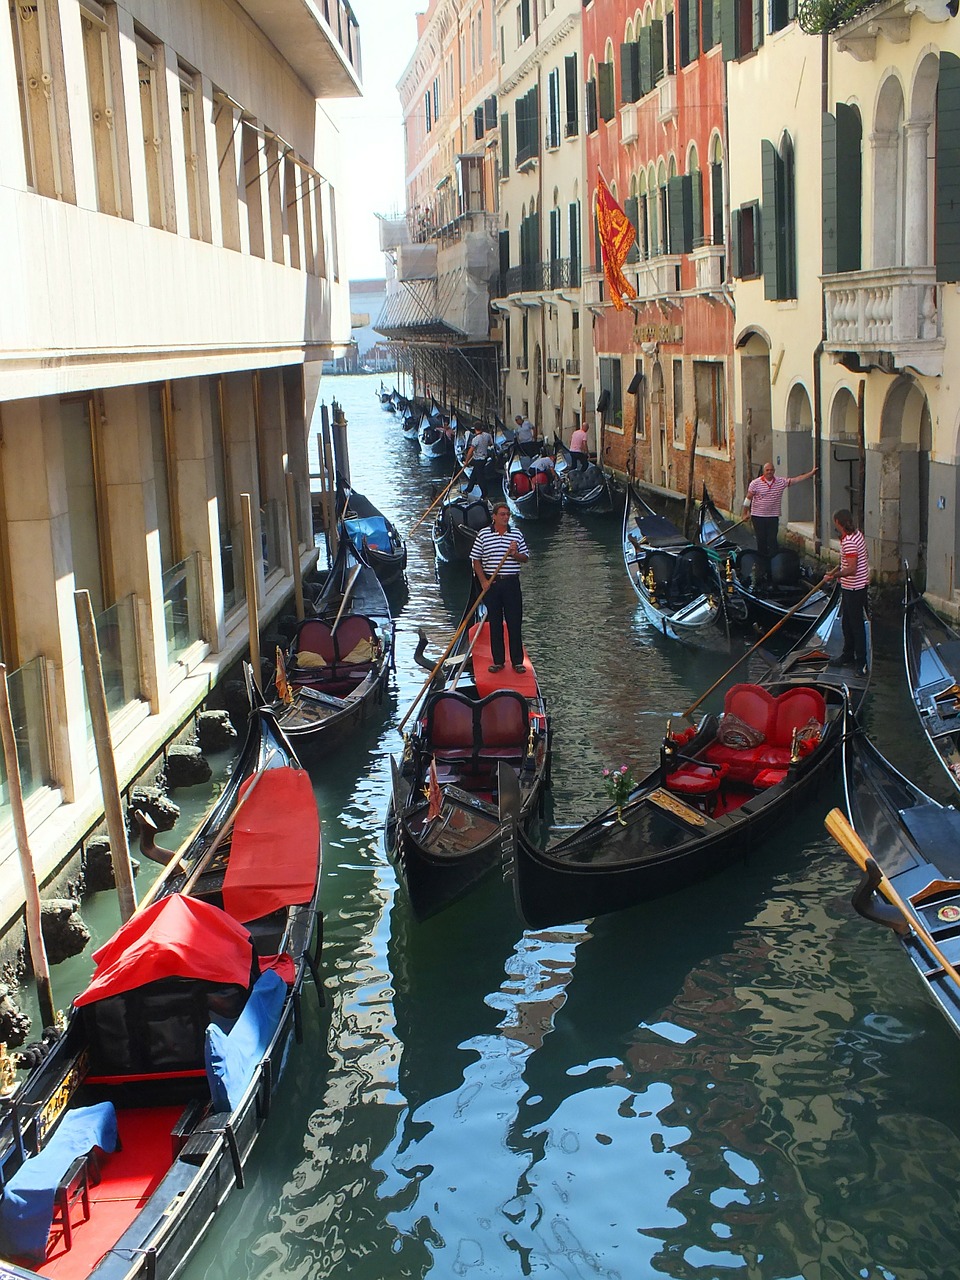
<point x="176" y="937"/>
<point x="275" y="851"/>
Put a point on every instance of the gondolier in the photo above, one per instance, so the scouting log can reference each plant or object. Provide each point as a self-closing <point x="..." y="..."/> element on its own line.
<point x="580" y="448"/>
<point x="764" y="496"/>
<point x="504" y="549"/>
<point x="854" y="574"/>
<point x="478" y="455"/>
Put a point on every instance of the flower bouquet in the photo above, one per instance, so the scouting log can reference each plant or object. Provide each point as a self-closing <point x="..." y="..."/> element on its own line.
<point x="619" y="784"/>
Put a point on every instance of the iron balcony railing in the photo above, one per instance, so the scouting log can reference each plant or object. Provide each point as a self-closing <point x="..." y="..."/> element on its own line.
<point x="540" y="277"/>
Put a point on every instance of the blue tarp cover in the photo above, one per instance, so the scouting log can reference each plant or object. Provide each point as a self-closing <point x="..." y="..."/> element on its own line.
<point x="232" y="1057"/>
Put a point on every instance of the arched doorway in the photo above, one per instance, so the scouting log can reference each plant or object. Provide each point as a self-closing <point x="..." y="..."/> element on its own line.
<point x="841" y="467"/>
<point x="658" y="429"/>
<point x="756" y="406"/>
<point x="897" y="521"/>
<point x="799" y="458"/>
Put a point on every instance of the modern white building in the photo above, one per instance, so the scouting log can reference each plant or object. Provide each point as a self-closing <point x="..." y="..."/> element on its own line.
<point x="170" y="265"/>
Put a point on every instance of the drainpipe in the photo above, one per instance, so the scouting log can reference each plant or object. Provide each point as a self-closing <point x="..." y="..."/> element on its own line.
<point x="818" y="350"/>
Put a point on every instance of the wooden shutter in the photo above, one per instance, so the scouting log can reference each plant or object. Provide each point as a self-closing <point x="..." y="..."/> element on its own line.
<point x="716" y="202"/>
<point x="829" y="195"/>
<point x="709" y="34"/>
<point x="645" y="58"/>
<point x="505" y="144"/>
<point x="736" y="262"/>
<point x="591" y="102"/>
<point x="688" y="22"/>
<point x="573" y="229"/>
<point x="656" y="51"/>
<point x="631" y="207"/>
<point x="728" y="30"/>
<point x="503" y="242"/>
<point x="696" y="208"/>
<point x="680" y="210"/>
<point x="572" y="124"/>
<point x="629" y="72"/>
<point x="757" y="13"/>
<point x="947" y="215"/>
<point x="771" y="231"/>
<point x="490" y="112"/>
<point x="478" y="124"/>
<point x="606" y="92"/>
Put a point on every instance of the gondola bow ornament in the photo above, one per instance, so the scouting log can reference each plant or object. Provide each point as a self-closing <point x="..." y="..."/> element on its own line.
<point x="616" y="234"/>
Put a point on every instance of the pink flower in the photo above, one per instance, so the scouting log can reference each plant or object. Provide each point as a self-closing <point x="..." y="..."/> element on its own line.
<point x="623" y="768"/>
<point x="606" y="773"/>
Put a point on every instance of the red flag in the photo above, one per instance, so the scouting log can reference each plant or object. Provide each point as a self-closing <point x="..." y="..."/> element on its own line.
<point x="284" y="692"/>
<point x="434" y="794"/>
<point x="616" y="237"/>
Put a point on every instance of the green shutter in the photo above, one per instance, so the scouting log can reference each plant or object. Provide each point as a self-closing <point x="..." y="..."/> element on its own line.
<point x="573" y="231"/>
<point x="652" y="203"/>
<point x="947" y="216"/>
<point x="478" y="124"/>
<point x="728" y="30"/>
<point x="606" y="96"/>
<point x="716" y="202"/>
<point x="591" y="106"/>
<point x="631" y="207"/>
<point x="490" y="112"/>
<point x="757" y="15"/>
<point x="736" y="264"/>
<point x="696" y="202"/>
<point x="709" y="33"/>
<point x="504" y="247"/>
<point x="829" y="194"/>
<point x="675" y="213"/>
<point x="850" y="174"/>
<point x="504" y="144"/>
<point x="769" y="220"/>
<point x="645" y="54"/>
<point x="689" y="28"/>
<point x="629" y="72"/>
<point x="572" y="95"/>
<point x="656" y="36"/>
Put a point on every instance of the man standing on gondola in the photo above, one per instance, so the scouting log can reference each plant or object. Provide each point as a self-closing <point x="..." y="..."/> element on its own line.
<point x="478" y="455"/>
<point x="763" y="499"/>
<point x="854" y="574"/>
<point x="500" y="551"/>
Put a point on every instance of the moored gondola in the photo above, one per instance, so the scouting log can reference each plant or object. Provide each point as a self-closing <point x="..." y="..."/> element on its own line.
<point x="530" y="494"/>
<point x="718" y="788"/>
<point x="673" y="579"/>
<point x="337" y="664"/>
<point x="589" y="490"/>
<point x="931" y="649"/>
<point x="118" y="1148"/>
<point x="471" y="774"/>
<point x="375" y="538"/>
<point x="436" y="436"/>
<point x="910" y="860"/>
<point x="758" y="592"/>
<point x="459" y="519"/>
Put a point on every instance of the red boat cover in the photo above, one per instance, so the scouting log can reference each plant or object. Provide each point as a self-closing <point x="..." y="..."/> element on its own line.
<point x="176" y="937"/>
<point x="275" y="852"/>
<point x="525" y="682"/>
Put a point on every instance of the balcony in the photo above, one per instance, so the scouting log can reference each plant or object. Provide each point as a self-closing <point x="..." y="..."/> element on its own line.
<point x="320" y="39"/>
<point x="629" y="131"/>
<point x="553" y="364"/>
<point x="709" y="263"/>
<point x="521" y="363"/>
<point x="656" y="277"/>
<point x="540" y="277"/>
<point x="889" y="317"/>
<point x="573" y="368"/>
<point x="667" y="90"/>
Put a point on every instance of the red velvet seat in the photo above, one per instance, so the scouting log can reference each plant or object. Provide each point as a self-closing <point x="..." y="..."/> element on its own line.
<point x="503" y="724"/>
<point x="696" y="781"/>
<point x="315" y="636"/>
<point x="776" y="718"/>
<point x="449" y="727"/>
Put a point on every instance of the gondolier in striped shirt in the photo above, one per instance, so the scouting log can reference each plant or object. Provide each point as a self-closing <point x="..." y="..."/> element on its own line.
<point x="854" y="574"/>
<point x="502" y="548"/>
<point x="764" y="496"/>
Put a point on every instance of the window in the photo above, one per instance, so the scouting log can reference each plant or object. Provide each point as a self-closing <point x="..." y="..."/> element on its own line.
<point x="43" y="120"/>
<point x="745" y="237"/>
<point x="716" y="197"/>
<point x="194" y="153"/>
<point x="606" y="93"/>
<point x="610" y="400"/>
<point x="591" y="104"/>
<point x="573" y="232"/>
<point x="779" y="220"/>
<point x="436" y="99"/>
<point x="629" y="72"/>
<point x="428" y="117"/>
<point x="688" y="30"/>
<point x="556" y="274"/>
<point x="553" y="109"/>
<point x="631" y="207"/>
<point x="152" y="115"/>
<point x="650" y="47"/>
<point x="781" y="12"/>
<point x="638" y="386"/>
<point x="708" y="391"/>
<point x="710" y="19"/>
<point x="490" y="112"/>
<point x="571" y="126"/>
<point x="226" y="122"/>
<point x="678" y="429"/>
<point x="477" y="124"/>
<point x="528" y="125"/>
<point x="741" y="27"/>
<point x="946" y="245"/>
<point x="97" y="58"/>
<point x="504" y="145"/>
<point x="842" y="169"/>
<point x="523" y="21"/>
<point x="680" y="212"/>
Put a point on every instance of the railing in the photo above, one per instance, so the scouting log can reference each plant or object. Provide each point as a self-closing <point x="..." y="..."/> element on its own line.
<point x="181" y="607"/>
<point x="270" y="535"/>
<point x="540" y="277"/>
<point x="119" y="645"/>
<point x="709" y="262"/>
<point x="629" y="128"/>
<point x="573" y="366"/>
<point x="884" y="308"/>
<point x="521" y="362"/>
<point x="553" y="364"/>
<point x="667" y="89"/>
<point x="28" y="706"/>
<point x="657" y="277"/>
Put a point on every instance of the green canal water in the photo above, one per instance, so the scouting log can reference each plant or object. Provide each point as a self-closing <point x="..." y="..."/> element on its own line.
<point x="743" y="1080"/>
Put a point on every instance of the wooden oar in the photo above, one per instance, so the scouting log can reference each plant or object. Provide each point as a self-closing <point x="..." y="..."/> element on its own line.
<point x="776" y="627"/>
<point x="351" y="583"/>
<point x="442" y="495"/>
<point x="723" y="532"/>
<point x="841" y="830"/>
<point x="456" y="636"/>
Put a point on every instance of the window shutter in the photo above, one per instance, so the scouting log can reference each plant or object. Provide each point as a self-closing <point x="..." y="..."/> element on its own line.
<point x="710" y="34"/>
<point x="573" y="230"/>
<point x="850" y="170"/>
<point x="505" y="144"/>
<point x="597" y="255"/>
<point x="631" y="207"/>
<point x="504" y="246"/>
<point x="525" y="18"/>
<point x="656" y="51"/>
<point x="716" y="202"/>
<point x="645" y="57"/>
<point x="736" y="263"/>
<point x="680" y="212"/>
<point x="655" y="247"/>
<point x="792" y="9"/>
<point x="534" y="120"/>
<point x="728" y="30"/>
<point x="688" y="25"/>
<point x="829" y="195"/>
<point x="629" y="73"/>
<point x="696" y="209"/>
<point x="572" y="126"/>
<point x="591" y="101"/>
<point x="769" y="220"/>
<point x="757" y="14"/>
<point x="490" y="112"/>
<point x="671" y="33"/>
<point x="947" y="217"/>
<point x="606" y="91"/>
<point x="478" y="124"/>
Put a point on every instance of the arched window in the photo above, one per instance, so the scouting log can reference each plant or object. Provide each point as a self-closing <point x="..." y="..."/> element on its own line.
<point x="889" y="202"/>
<point x="716" y="190"/>
<point x="778" y="224"/>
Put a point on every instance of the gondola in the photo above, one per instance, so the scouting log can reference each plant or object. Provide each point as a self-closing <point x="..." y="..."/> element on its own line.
<point x="436" y="435"/>
<point x="459" y="519"/>
<point x="915" y="843"/>
<point x="530" y="495"/>
<point x="336" y="667"/>
<point x="715" y="792"/>
<point x="588" y="491"/>
<point x="374" y="537"/>
<point x="673" y="579"/>
<point x="931" y="650"/>
<point x="118" y="1148"/>
<point x="388" y="399"/>
<point x="759" y="592"/>
<point x="471" y="775"/>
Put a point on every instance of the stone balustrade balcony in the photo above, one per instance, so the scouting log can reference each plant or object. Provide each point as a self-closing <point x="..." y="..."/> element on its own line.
<point x="889" y="317"/>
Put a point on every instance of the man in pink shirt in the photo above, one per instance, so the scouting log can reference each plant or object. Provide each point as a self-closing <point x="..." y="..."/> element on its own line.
<point x="579" y="449"/>
<point x="763" y="500"/>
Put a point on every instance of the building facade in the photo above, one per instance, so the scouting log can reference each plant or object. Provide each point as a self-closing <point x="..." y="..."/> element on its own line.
<point x="170" y="257"/>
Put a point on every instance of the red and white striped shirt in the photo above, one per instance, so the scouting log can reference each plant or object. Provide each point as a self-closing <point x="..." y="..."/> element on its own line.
<point x="853" y="546"/>
<point x="765" y="495"/>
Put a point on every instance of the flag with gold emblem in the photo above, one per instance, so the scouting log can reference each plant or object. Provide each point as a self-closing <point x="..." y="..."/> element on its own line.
<point x="284" y="692"/>
<point x="617" y="235"/>
<point x="434" y="794"/>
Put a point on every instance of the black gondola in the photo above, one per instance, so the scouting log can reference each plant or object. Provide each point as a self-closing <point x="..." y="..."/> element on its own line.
<point x="673" y="578"/>
<point x="589" y="491"/>
<point x="146" y="1109"/>
<point x="375" y="538"/>
<point x="715" y="792"/>
<point x="471" y="774"/>
<point x="915" y="843"/>
<point x="336" y="667"/>
<point x="436" y="435"/>
<point x="758" y="591"/>
<point x="530" y="495"/>
<point x="459" y="519"/>
<point x="931" y="650"/>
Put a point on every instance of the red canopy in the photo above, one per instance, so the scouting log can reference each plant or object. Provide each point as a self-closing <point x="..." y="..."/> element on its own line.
<point x="175" y="937"/>
<point x="275" y="850"/>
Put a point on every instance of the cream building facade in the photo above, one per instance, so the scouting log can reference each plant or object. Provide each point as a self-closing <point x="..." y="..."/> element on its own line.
<point x="170" y="259"/>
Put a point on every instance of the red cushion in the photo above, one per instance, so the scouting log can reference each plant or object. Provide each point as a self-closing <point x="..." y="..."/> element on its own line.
<point x="794" y="709"/>
<point x="695" y="779"/>
<point x="520" y="482"/>
<point x="769" y="777"/>
<point x="752" y="704"/>
<point x="742" y="762"/>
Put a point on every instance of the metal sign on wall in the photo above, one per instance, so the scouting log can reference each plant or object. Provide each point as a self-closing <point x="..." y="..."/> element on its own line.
<point x="658" y="333"/>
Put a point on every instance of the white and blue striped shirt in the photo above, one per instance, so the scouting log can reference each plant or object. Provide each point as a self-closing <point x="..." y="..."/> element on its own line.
<point x="490" y="548"/>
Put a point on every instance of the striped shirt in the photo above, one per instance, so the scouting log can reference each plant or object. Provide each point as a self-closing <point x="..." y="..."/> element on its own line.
<point x="490" y="548"/>
<point x="854" y="546"/>
<point x="765" y="495"/>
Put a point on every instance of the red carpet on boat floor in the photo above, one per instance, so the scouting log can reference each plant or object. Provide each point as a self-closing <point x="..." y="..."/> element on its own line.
<point x="128" y="1178"/>
<point x="524" y="682"/>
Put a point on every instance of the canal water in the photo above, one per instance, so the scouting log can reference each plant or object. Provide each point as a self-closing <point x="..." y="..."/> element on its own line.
<point x="741" y="1080"/>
